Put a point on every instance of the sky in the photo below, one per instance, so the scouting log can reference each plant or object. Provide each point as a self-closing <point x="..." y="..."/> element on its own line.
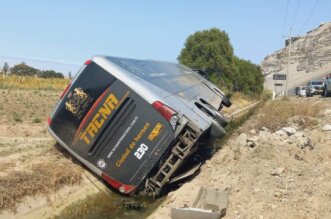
<point x="68" y="32"/>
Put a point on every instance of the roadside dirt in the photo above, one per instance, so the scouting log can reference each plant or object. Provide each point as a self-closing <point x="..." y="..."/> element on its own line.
<point x="34" y="173"/>
<point x="271" y="174"/>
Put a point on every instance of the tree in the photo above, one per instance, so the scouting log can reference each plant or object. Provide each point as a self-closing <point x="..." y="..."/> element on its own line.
<point x="24" y="70"/>
<point x="50" y="74"/>
<point x="211" y="51"/>
<point x="5" y="68"/>
<point x="249" y="78"/>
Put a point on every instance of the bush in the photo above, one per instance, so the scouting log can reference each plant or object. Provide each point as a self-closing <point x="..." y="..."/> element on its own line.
<point x="266" y="95"/>
<point x="36" y="120"/>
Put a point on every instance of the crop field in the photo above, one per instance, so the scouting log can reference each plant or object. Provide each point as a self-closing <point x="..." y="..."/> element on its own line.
<point x="32" y="83"/>
<point x="30" y="161"/>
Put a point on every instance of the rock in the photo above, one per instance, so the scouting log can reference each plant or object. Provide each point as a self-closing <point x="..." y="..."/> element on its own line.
<point x="273" y="206"/>
<point x="253" y="131"/>
<point x="327" y="112"/>
<point x="296" y="121"/>
<point x="322" y="140"/>
<point x="303" y="143"/>
<point x="277" y="171"/>
<point x="280" y="132"/>
<point x="208" y="166"/>
<point x="297" y="157"/>
<point x="241" y="139"/>
<point x="250" y="142"/>
<point x="289" y="130"/>
<point x="297" y="135"/>
<point x="295" y="138"/>
<point x="265" y="129"/>
<point x="256" y="190"/>
<point x="263" y="133"/>
<point x="265" y="137"/>
<point x="277" y="194"/>
<point x="326" y="127"/>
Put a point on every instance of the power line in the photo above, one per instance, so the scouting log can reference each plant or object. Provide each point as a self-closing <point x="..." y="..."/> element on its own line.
<point x="295" y="13"/>
<point x="309" y="16"/>
<point x="285" y="20"/>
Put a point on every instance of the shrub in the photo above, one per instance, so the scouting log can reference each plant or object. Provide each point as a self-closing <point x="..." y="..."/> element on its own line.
<point x="266" y="95"/>
<point x="36" y="120"/>
<point x="17" y="117"/>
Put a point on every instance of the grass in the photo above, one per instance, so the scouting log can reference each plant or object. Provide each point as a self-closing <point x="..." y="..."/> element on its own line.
<point x="32" y="83"/>
<point x="276" y="114"/>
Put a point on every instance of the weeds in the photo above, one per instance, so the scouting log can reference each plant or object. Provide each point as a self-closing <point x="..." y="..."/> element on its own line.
<point x="17" y="117"/>
<point x="276" y="114"/>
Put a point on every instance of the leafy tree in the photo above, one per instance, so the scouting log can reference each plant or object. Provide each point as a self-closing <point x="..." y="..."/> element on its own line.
<point x="211" y="51"/>
<point x="24" y="70"/>
<point x="249" y="78"/>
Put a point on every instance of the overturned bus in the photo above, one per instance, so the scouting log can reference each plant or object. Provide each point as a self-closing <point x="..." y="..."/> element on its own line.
<point x="135" y="122"/>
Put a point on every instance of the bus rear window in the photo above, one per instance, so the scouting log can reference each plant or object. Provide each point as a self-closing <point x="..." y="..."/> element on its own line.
<point x="81" y="96"/>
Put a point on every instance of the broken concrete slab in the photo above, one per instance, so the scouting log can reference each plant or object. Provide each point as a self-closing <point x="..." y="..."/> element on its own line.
<point x="210" y="203"/>
<point x="193" y="213"/>
<point x="212" y="199"/>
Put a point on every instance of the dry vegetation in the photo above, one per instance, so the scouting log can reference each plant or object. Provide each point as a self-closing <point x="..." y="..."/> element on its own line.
<point x="239" y="101"/>
<point x="276" y="114"/>
<point x="26" y="106"/>
<point x="32" y="83"/>
<point x="29" y="163"/>
<point x="37" y="179"/>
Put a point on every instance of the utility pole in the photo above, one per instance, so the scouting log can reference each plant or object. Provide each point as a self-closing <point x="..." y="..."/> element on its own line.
<point x="288" y="64"/>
